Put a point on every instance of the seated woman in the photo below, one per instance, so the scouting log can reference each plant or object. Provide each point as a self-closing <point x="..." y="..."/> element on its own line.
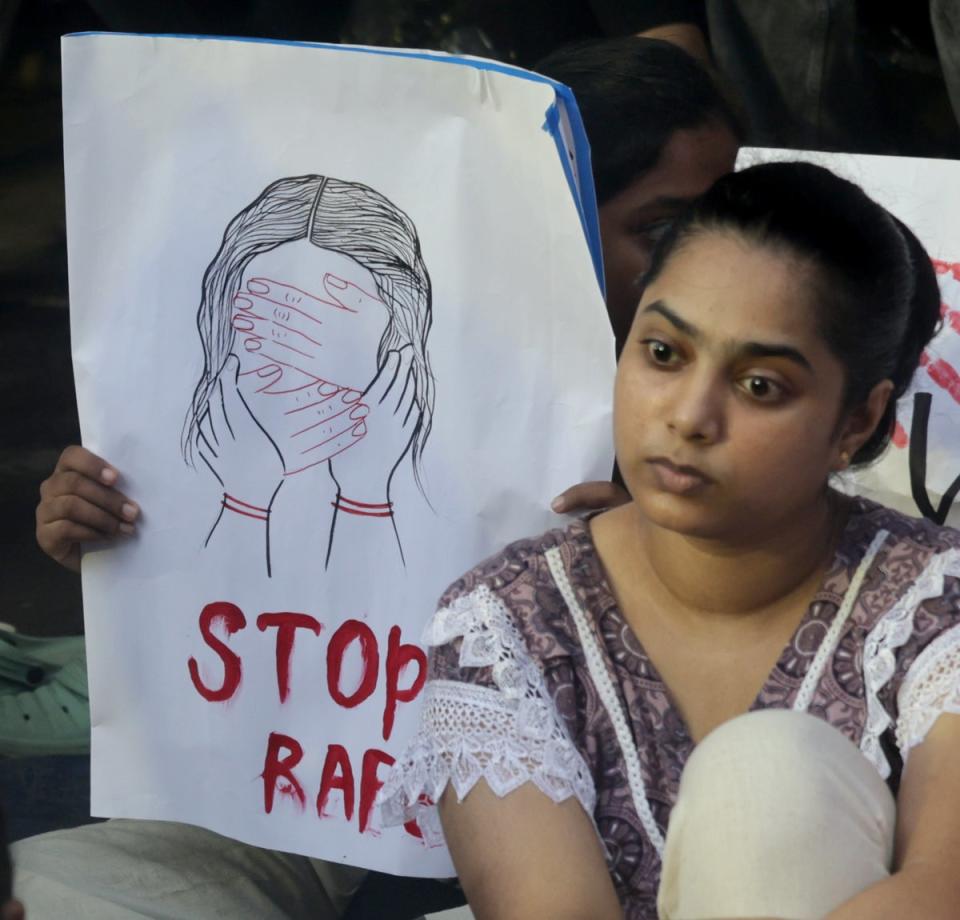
<point x="733" y="696"/>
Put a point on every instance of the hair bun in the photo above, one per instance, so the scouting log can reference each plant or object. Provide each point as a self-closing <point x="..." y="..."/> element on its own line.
<point x="924" y="318"/>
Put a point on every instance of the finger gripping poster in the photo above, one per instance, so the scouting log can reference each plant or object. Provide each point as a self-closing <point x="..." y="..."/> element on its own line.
<point x="337" y="320"/>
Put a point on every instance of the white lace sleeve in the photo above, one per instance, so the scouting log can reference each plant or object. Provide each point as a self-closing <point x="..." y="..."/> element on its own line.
<point x="931" y="688"/>
<point x="881" y="645"/>
<point x="506" y="736"/>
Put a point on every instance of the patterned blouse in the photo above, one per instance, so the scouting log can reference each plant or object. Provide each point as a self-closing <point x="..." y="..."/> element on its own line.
<point x="536" y="677"/>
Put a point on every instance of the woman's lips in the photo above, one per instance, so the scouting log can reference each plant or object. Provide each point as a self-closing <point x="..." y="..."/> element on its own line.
<point x="678" y="480"/>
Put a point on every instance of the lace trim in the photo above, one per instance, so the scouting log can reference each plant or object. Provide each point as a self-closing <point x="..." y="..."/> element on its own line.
<point x="506" y="736"/>
<point x="931" y="688"/>
<point x="890" y="633"/>
<point x="609" y="698"/>
<point x="830" y="641"/>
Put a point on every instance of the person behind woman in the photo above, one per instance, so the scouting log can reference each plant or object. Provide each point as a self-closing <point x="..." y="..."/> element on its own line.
<point x="661" y="133"/>
<point x="585" y="685"/>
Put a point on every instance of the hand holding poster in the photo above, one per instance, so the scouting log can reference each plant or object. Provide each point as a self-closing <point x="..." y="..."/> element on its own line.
<point x="336" y="318"/>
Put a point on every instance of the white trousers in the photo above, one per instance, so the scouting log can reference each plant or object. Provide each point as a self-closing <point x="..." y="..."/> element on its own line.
<point x="778" y="815"/>
<point x="121" y="870"/>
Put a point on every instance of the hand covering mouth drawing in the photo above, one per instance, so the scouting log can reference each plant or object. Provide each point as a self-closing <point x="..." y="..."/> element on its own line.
<point x="314" y="320"/>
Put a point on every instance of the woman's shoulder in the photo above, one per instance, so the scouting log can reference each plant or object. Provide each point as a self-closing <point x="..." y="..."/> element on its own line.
<point x="520" y="562"/>
<point x="910" y="607"/>
<point x="510" y="598"/>
<point x="903" y="532"/>
<point x="910" y="587"/>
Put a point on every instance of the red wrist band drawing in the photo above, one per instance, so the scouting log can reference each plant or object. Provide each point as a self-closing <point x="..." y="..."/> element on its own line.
<point x="363" y="509"/>
<point x="234" y="504"/>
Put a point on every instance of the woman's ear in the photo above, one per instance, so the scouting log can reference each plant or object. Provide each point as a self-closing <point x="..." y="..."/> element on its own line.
<point x="861" y="422"/>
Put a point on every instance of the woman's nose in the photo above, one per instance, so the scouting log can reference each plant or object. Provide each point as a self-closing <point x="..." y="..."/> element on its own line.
<point x="697" y="411"/>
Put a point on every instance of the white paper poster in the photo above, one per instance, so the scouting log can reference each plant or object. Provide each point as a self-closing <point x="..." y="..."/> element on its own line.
<point x="336" y="319"/>
<point x="920" y="473"/>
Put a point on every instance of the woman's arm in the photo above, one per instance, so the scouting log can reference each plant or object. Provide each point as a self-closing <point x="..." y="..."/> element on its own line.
<point x="523" y="857"/>
<point x="925" y="883"/>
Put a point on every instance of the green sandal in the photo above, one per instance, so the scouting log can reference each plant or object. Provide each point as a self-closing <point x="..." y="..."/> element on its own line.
<point x="27" y="662"/>
<point x="52" y="718"/>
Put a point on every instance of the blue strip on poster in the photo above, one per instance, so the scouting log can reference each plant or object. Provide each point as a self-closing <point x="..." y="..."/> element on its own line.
<point x="585" y="198"/>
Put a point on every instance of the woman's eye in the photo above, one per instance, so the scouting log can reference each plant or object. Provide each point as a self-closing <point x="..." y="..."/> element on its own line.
<point x="762" y="388"/>
<point x="660" y="352"/>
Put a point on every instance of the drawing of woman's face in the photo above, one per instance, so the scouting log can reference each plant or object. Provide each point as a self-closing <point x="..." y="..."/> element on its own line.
<point x="311" y="312"/>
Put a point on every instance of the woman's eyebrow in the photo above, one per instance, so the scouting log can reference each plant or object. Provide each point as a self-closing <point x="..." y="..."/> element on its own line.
<point x="658" y="306"/>
<point x="745" y="349"/>
<point x="764" y="350"/>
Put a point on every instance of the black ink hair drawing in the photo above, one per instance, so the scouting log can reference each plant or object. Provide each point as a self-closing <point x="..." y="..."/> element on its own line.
<point x="314" y="281"/>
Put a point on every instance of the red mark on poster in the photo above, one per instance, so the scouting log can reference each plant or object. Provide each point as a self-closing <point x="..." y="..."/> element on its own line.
<point x="349" y="632"/>
<point x="337" y="774"/>
<point x="945" y="376"/>
<point x="944" y="268"/>
<point x="950" y="317"/>
<point x="286" y="625"/>
<point x="411" y="827"/>
<point x="283" y="754"/>
<point x="370" y="782"/>
<point x="231" y="618"/>
<point x="399" y="655"/>
<point x="940" y="371"/>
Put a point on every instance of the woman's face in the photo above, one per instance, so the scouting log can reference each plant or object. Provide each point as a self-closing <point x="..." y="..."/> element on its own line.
<point x="313" y="313"/>
<point x="632" y="221"/>
<point x="724" y="376"/>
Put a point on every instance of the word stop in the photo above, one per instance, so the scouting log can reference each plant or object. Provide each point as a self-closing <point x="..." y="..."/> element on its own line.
<point x="230" y="619"/>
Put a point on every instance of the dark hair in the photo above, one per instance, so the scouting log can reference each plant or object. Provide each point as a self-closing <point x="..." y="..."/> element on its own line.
<point x="877" y="297"/>
<point x="633" y="94"/>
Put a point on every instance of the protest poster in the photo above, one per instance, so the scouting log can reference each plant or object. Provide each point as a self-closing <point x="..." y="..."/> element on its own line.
<point x="920" y="472"/>
<point x="337" y="318"/>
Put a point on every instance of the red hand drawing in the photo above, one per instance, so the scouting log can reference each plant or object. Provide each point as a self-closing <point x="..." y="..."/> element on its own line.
<point x="387" y="430"/>
<point x="303" y="337"/>
<point x="313" y="423"/>
<point x="294" y="346"/>
<point x="318" y="422"/>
